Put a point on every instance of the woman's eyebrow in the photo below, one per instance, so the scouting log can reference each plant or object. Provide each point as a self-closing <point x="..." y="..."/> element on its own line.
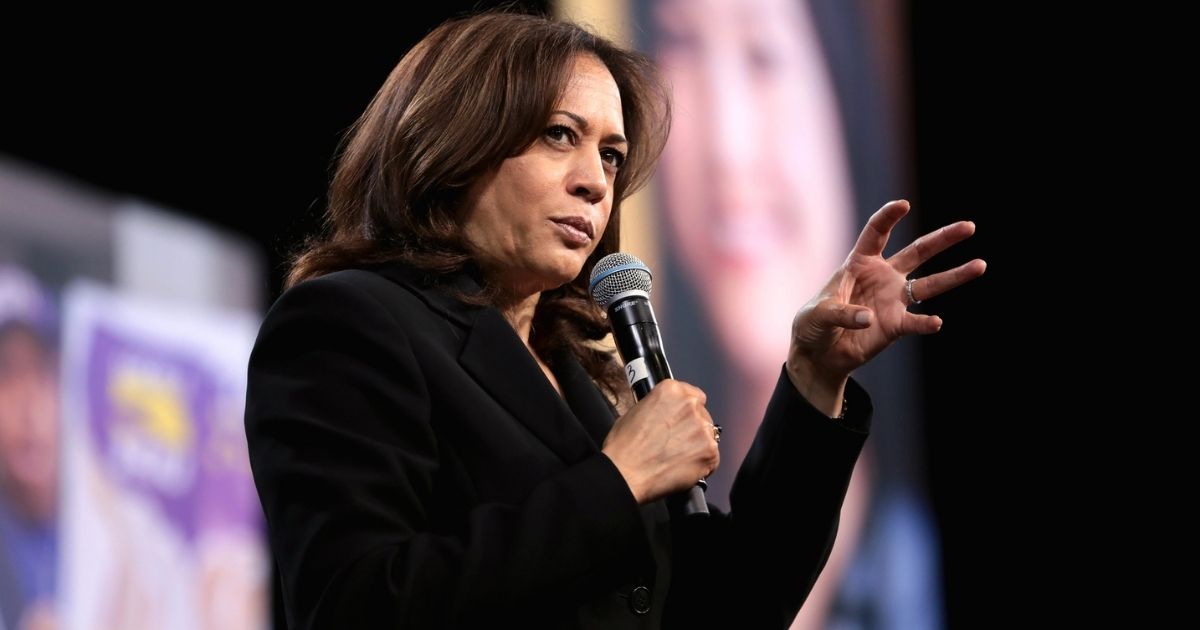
<point x="583" y="124"/>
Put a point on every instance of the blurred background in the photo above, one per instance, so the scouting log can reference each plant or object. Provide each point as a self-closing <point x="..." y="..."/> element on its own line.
<point x="153" y="180"/>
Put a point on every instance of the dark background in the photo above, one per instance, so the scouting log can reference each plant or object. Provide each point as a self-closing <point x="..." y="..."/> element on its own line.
<point x="235" y="121"/>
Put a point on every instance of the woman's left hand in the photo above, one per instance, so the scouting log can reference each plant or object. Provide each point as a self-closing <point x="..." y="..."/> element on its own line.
<point x="864" y="306"/>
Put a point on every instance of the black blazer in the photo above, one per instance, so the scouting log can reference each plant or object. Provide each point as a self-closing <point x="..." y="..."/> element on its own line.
<point x="417" y="470"/>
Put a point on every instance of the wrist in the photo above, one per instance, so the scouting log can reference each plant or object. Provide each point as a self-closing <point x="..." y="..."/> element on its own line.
<point x="825" y="392"/>
<point x="635" y="484"/>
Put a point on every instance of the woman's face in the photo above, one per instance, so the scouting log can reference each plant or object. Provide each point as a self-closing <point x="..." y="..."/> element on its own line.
<point x="757" y="196"/>
<point x="534" y="221"/>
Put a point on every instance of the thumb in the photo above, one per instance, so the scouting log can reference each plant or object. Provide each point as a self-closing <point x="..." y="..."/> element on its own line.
<point x="833" y="313"/>
<point x="816" y="324"/>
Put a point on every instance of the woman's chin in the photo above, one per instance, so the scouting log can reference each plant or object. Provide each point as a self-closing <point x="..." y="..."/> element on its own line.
<point x="554" y="277"/>
<point x="567" y="270"/>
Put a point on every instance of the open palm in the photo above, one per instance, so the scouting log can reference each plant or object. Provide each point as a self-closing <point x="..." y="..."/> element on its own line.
<point x="864" y="307"/>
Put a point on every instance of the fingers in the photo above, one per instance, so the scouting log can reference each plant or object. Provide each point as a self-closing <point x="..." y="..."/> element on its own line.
<point x="830" y="313"/>
<point x="688" y="401"/>
<point x="849" y="316"/>
<point x="933" y="286"/>
<point x="939" y="283"/>
<point x="929" y="245"/>
<point x="665" y="442"/>
<point x="712" y="442"/>
<point x="874" y="236"/>
<point x="686" y="389"/>
<point x="914" y="324"/>
<point x="695" y="421"/>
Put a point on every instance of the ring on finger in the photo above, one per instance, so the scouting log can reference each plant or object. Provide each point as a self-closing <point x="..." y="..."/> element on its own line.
<point x="909" y="293"/>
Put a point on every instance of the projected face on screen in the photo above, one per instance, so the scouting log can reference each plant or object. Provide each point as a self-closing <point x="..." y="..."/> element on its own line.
<point x="758" y="202"/>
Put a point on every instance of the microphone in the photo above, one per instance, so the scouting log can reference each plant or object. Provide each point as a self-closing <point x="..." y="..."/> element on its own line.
<point x="620" y="284"/>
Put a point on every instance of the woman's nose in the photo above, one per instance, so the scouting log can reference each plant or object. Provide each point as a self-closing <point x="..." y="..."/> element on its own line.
<point x="588" y="178"/>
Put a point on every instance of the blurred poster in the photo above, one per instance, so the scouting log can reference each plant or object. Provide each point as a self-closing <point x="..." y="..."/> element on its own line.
<point x="29" y="424"/>
<point x="160" y="524"/>
<point x="125" y="494"/>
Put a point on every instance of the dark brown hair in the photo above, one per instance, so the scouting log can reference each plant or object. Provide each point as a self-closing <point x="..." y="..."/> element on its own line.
<point x="472" y="93"/>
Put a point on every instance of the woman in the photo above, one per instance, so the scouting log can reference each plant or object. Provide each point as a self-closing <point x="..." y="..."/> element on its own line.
<point x="437" y="439"/>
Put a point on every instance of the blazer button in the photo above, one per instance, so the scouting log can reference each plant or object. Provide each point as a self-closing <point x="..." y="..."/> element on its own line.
<point x="639" y="600"/>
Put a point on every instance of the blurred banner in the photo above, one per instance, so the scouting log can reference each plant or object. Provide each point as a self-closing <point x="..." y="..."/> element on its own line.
<point x="126" y="499"/>
<point x="790" y="128"/>
<point x="161" y="527"/>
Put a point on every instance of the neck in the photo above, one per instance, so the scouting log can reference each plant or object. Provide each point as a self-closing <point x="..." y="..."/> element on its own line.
<point x="518" y="310"/>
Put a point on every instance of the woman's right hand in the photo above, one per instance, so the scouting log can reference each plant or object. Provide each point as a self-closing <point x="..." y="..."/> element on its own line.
<point x="665" y="443"/>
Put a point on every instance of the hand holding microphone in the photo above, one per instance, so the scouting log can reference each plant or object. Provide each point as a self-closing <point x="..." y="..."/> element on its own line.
<point x="667" y="440"/>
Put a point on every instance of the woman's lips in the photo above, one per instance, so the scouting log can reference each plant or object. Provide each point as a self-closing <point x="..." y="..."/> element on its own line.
<point x="575" y="230"/>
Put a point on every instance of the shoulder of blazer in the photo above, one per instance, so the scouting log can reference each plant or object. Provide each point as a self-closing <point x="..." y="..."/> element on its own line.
<point x="383" y="282"/>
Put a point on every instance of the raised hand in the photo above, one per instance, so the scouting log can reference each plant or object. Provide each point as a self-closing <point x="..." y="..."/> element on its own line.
<point x="864" y="306"/>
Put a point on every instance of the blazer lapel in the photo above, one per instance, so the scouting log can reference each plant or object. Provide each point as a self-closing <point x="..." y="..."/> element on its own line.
<point x="583" y="397"/>
<point x="574" y="429"/>
<point x="495" y="357"/>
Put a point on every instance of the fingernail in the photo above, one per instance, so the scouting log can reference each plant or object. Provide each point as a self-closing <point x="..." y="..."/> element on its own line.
<point x="862" y="317"/>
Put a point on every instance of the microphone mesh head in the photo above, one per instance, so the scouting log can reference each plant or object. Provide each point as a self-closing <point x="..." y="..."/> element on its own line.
<point x="617" y="273"/>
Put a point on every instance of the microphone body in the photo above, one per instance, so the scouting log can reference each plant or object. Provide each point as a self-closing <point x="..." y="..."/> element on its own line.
<point x="621" y="285"/>
<point x="636" y="332"/>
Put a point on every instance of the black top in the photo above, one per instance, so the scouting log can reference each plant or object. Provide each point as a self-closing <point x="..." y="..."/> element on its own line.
<point x="418" y="470"/>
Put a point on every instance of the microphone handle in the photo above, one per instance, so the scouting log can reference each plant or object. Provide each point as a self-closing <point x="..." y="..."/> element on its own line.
<point x="636" y="332"/>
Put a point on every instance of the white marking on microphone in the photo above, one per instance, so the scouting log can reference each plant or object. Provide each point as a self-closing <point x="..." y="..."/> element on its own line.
<point x="636" y="370"/>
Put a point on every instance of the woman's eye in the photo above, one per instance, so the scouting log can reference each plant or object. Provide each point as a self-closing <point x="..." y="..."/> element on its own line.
<point x="613" y="157"/>
<point x="559" y="133"/>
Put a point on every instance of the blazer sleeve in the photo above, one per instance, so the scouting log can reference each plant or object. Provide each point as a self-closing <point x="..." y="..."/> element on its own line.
<point x="755" y="566"/>
<point x="345" y="457"/>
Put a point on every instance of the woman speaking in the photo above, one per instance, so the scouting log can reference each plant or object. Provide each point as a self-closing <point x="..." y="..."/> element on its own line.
<point x="437" y="436"/>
